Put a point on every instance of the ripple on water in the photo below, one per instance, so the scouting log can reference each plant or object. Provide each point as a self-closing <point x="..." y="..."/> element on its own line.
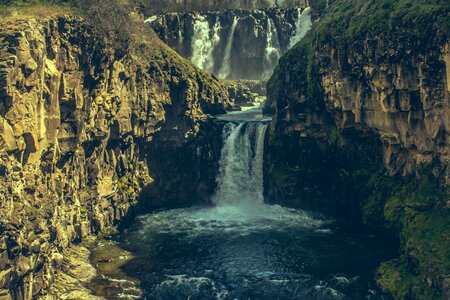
<point x="234" y="220"/>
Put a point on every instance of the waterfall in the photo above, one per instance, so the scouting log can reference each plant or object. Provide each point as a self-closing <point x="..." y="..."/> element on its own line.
<point x="211" y="39"/>
<point x="240" y="178"/>
<point x="272" y="51"/>
<point x="226" y="65"/>
<point x="215" y="40"/>
<point x="203" y="44"/>
<point x="180" y="33"/>
<point x="302" y="26"/>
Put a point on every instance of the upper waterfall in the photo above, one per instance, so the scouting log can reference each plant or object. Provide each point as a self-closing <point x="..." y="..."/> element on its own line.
<point x="302" y="26"/>
<point x="272" y="52"/>
<point x="234" y="44"/>
<point x="226" y="64"/>
<point x="203" y="43"/>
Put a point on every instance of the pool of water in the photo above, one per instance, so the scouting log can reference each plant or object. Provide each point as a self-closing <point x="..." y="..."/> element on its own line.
<point x="267" y="252"/>
<point x="242" y="248"/>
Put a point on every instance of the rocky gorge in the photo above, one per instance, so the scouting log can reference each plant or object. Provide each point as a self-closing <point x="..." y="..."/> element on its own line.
<point x="93" y="134"/>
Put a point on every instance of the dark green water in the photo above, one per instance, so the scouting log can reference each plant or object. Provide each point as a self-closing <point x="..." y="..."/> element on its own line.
<point x="269" y="253"/>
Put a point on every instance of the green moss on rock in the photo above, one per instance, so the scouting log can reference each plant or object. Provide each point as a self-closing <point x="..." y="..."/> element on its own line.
<point x="416" y="209"/>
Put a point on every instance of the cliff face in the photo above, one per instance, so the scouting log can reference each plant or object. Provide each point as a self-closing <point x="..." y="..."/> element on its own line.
<point x="364" y="95"/>
<point x="76" y="125"/>
<point x="234" y="44"/>
<point x="158" y="6"/>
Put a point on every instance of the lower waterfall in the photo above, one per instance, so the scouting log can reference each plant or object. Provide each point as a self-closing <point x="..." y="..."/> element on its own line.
<point x="240" y="179"/>
<point x="240" y="247"/>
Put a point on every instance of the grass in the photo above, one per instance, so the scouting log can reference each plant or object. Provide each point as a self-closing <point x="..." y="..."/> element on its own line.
<point x="26" y="10"/>
<point x="348" y="19"/>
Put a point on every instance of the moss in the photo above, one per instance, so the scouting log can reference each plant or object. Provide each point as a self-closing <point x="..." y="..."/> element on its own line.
<point x="417" y="211"/>
<point x="347" y="19"/>
<point x="333" y="135"/>
<point x="396" y="279"/>
<point x="32" y="9"/>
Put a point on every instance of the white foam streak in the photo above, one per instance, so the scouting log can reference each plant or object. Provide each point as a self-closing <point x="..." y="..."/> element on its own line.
<point x="272" y="51"/>
<point x="225" y="70"/>
<point x="302" y="25"/>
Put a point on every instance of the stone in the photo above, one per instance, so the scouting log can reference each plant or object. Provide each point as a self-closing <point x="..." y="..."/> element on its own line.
<point x="63" y="137"/>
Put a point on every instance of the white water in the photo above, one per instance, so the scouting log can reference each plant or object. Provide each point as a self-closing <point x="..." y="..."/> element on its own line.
<point x="239" y="207"/>
<point x="225" y="70"/>
<point x="302" y="25"/>
<point x="204" y="42"/>
<point x="201" y="42"/>
<point x="272" y="51"/>
<point x="240" y="179"/>
<point x="215" y="40"/>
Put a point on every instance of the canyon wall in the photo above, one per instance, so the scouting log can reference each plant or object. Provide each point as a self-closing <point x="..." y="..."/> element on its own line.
<point x="80" y="129"/>
<point x="361" y="128"/>
<point x="234" y="44"/>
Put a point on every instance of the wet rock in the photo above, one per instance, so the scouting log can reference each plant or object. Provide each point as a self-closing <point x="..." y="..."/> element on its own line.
<point x="260" y="37"/>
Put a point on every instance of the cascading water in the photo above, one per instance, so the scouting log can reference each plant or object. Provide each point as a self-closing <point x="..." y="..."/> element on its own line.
<point x="214" y="37"/>
<point x="215" y="40"/>
<point x="240" y="179"/>
<point x="226" y="64"/>
<point x="204" y="42"/>
<point x="272" y="51"/>
<point x="302" y="26"/>
<point x="242" y="248"/>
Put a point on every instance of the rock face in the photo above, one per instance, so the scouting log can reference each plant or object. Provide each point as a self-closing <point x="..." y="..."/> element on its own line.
<point x="208" y="5"/>
<point x="76" y="126"/>
<point x="234" y="44"/>
<point x="361" y="127"/>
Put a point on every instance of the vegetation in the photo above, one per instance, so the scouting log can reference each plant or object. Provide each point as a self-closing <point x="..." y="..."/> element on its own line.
<point x="421" y="19"/>
<point x="417" y="211"/>
<point x="412" y="208"/>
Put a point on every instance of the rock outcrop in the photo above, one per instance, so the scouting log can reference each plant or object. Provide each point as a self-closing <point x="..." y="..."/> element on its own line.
<point x="76" y="124"/>
<point x="361" y="126"/>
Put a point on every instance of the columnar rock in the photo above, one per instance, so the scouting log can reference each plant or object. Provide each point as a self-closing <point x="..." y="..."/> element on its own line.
<point x="361" y="128"/>
<point x="76" y="122"/>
